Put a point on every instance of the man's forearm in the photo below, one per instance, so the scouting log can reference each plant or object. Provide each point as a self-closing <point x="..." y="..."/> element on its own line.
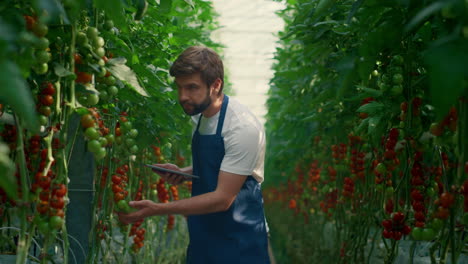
<point x="201" y="204"/>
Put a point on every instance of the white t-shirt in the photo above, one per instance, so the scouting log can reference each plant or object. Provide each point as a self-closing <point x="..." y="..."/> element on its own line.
<point x="244" y="139"/>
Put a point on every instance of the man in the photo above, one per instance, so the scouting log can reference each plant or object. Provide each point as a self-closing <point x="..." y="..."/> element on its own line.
<point x="225" y="213"/>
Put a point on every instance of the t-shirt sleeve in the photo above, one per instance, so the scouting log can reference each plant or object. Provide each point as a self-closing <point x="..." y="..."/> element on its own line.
<point x="241" y="150"/>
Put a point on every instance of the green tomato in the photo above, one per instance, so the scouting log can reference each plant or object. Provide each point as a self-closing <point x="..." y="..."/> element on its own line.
<point x="118" y="140"/>
<point x="129" y="142"/>
<point x="43" y="226"/>
<point x="416" y="233"/>
<point x="42" y="43"/>
<point x="110" y="138"/>
<point x="103" y="96"/>
<point x="381" y="168"/>
<point x="92" y="32"/>
<point x="42" y="56"/>
<point x="430" y="192"/>
<point x="40" y="29"/>
<point x="126" y="126"/>
<point x="98" y="42"/>
<point x="81" y="39"/>
<point x="398" y="60"/>
<point x="134" y="149"/>
<point x="92" y="133"/>
<point x="428" y="234"/>
<point x="113" y="90"/>
<point x="41" y="68"/>
<point x="94" y="146"/>
<point x="397" y="78"/>
<point x="56" y="222"/>
<point x="100" y="154"/>
<point x="133" y="133"/>
<point x="100" y="52"/>
<point x="103" y="141"/>
<point x="123" y="206"/>
<point x="110" y="80"/>
<point x="43" y="120"/>
<point x="92" y="99"/>
<point x="109" y="24"/>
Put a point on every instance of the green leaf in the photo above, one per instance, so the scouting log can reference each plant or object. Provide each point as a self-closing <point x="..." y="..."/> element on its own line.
<point x="369" y="91"/>
<point x="425" y="13"/>
<point x="14" y="91"/>
<point x="165" y="6"/>
<point x="323" y="6"/>
<point x="190" y="2"/>
<point x="114" y="10"/>
<point x="371" y="108"/>
<point x="53" y="8"/>
<point x="118" y="68"/>
<point x="60" y="71"/>
<point x="7" y="173"/>
<point x="447" y="71"/>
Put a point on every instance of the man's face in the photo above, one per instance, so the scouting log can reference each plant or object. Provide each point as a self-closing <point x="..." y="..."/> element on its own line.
<point x="194" y="94"/>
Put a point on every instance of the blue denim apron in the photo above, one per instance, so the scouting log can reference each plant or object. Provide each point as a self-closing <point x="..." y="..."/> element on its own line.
<point x="238" y="235"/>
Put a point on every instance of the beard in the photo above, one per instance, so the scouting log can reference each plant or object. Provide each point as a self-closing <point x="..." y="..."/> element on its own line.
<point x="196" y="109"/>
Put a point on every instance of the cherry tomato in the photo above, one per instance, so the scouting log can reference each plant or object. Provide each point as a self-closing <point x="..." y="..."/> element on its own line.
<point x="57" y="202"/>
<point x="92" y="133"/>
<point x="87" y="121"/>
<point x="46" y="100"/>
<point x="56" y="222"/>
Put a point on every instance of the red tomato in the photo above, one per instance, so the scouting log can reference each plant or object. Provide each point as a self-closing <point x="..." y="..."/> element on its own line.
<point x="57" y="202"/>
<point x="46" y="99"/>
<point x="59" y="190"/>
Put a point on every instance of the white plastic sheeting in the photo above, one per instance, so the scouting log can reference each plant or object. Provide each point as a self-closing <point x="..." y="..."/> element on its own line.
<point x="248" y="31"/>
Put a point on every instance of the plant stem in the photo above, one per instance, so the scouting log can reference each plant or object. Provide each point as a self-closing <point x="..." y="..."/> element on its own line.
<point x="23" y="248"/>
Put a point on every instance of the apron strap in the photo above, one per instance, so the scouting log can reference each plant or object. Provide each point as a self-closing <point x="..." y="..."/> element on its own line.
<point x="221" y="115"/>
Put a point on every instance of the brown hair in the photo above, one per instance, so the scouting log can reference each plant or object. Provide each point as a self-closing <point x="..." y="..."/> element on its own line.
<point x="199" y="59"/>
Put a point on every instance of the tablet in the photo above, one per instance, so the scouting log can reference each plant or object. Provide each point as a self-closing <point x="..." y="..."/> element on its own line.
<point x="171" y="171"/>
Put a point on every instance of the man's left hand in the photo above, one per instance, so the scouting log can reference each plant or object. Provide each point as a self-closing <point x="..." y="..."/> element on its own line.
<point x="145" y="208"/>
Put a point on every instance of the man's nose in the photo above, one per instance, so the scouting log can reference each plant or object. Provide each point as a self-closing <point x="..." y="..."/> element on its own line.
<point x="182" y="95"/>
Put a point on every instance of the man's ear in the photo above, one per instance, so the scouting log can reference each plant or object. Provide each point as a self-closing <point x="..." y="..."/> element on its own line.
<point x="216" y="85"/>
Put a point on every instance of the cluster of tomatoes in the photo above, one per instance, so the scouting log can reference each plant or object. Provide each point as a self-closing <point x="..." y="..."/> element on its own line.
<point x="339" y="152"/>
<point x="136" y="230"/>
<point x="391" y="80"/>
<point x="45" y="102"/>
<point x="383" y="169"/>
<point x="139" y="235"/>
<point x="9" y="135"/>
<point x="464" y="191"/>
<point x="96" y="133"/>
<point x="357" y="157"/>
<point x="41" y="45"/>
<point x="52" y="197"/>
<point x="313" y="176"/>
<point x="348" y="187"/>
<point x="119" y="183"/>
<point x="395" y="227"/>
<point x="450" y="122"/>
<point x="125" y="135"/>
<point x="175" y="197"/>
<point x="329" y="202"/>
<point x="418" y="189"/>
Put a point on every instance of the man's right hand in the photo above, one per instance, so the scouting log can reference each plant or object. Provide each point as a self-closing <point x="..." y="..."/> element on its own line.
<point x="171" y="178"/>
